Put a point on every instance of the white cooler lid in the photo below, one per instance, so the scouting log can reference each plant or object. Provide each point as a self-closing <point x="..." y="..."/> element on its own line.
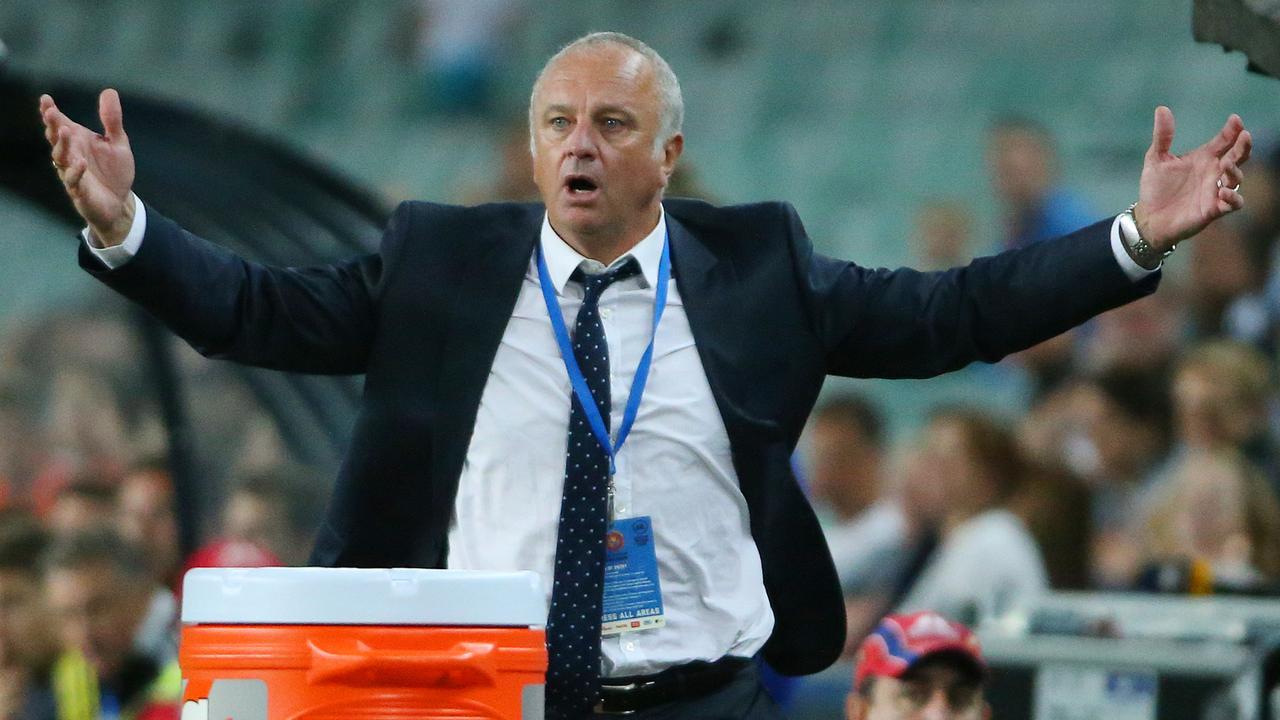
<point x="350" y="596"/>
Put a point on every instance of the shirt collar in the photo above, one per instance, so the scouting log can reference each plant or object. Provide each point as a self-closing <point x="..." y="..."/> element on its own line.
<point x="562" y="260"/>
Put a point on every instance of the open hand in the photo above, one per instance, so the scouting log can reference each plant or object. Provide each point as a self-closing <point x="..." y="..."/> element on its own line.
<point x="96" y="170"/>
<point x="1179" y="195"/>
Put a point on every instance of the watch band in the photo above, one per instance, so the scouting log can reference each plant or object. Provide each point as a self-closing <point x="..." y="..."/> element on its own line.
<point x="1139" y="249"/>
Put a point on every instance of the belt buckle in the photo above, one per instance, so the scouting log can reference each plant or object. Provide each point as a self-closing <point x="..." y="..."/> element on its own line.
<point x="620" y="690"/>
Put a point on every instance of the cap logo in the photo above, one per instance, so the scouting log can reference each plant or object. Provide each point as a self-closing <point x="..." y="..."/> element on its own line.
<point x="932" y="625"/>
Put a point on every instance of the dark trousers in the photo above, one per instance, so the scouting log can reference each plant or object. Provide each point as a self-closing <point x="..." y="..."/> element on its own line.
<point x="744" y="698"/>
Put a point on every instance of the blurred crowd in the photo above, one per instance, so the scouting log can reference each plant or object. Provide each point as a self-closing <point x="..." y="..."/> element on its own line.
<point x="91" y="550"/>
<point x="1146" y="460"/>
<point x="89" y="588"/>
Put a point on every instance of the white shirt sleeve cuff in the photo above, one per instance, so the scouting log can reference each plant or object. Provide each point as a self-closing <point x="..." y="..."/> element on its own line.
<point x="117" y="255"/>
<point x="1135" y="271"/>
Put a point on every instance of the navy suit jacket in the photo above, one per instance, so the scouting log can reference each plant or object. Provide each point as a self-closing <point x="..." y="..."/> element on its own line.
<point x="423" y="317"/>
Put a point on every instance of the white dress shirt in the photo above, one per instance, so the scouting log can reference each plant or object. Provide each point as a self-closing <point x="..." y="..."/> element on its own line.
<point x="675" y="467"/>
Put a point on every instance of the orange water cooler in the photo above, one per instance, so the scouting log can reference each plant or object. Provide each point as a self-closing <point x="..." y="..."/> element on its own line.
<point x="324" y="644"/>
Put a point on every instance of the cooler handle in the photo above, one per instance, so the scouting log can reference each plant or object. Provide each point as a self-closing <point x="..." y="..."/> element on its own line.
<point x="466" y="664"/>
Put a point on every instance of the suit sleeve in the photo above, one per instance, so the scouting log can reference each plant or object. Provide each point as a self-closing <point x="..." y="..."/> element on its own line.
<point x="319" y="319"/>
<point x="906" y="323"/>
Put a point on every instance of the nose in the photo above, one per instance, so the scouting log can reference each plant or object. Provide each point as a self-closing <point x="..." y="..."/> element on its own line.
<point x="938" y="707"/>
<point x="581" y="142"/>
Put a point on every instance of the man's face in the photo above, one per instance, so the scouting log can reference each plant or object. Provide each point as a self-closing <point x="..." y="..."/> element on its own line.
<point x="596" y="114"/>
<point x="26" y="639"/>
<point x="146" y="518"/>
<point x="1021" y="166"/>
<point x="73" y="513"/>
<point x="932" y="691"/>
<point x="844" y="464"/>
<point x="99" y="611"/>
<point x="253" y="519"/>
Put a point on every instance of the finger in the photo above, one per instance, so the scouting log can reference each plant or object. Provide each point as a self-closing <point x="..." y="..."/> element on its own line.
<point x="49" y="116"/>
<point x="1232" y="175"/>
<point x="1229" y="200"/>
<point x="1162" y="131"/>
<point x="111" y="115"/>
<point x="66" y="148"/>
<point x="61" y="147"/>
<point x="55" y="120"/>
<point x="71" y="178"/>
<point x="1225" y="137"/>
<point x="46" y="102"/>
<point x="1239" y="152"/>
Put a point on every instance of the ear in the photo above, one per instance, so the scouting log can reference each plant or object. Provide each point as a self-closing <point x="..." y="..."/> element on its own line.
<point x="671" y="151"/>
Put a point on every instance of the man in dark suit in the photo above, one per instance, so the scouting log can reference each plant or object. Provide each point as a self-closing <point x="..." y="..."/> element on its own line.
<point x="492" y="436"/>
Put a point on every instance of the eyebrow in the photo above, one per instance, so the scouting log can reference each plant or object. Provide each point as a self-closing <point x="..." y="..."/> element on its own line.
<point x="561" y="108"/>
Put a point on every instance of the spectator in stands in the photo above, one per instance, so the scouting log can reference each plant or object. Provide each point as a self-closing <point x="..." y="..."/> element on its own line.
<point x="1264" y="224"/>
<point x="1024" y="171"/>
<point x="1111" y="431"/>
<point x="146" y="517"/>
<point x="1024" y="168"/>
<point x="922" y="501"/>
<point x="100" y="588"/>
<point x="1221" y="392"/>
<point x="461" y="44"/>
<point x="1218" y="513"/>
<point x="944" y="235"/>
<point x="16" y="438"/>
<point x="1055" y="505"/>
<point x="277" y="510"/>
<point x="1225" y="291"/>
<point x="513" y="182"/>
<point x="1140" y="336"/>
<point x="28" y="644"/>
<point x="918" y="667"/>
<point x="1237" y="293"/>
<point x="864" y="528"/>
<point x="1264" y="211"/>
<point x="1049" y="364"/>
<point x="986" y="562"/>
<point x="686" y="183"/>
<point x="86" y="502"/>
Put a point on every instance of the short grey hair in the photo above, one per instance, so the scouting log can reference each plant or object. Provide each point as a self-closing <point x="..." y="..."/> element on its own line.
<point x="670" y="115"/>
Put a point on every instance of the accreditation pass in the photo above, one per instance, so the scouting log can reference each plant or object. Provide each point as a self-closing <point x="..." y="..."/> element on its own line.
<point x="632" y="593"/>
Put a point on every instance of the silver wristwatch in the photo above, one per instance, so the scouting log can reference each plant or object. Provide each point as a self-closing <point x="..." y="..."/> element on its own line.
<point x="1139" y="249"/>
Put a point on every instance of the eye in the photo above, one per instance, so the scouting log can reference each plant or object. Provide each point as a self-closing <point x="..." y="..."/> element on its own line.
<point x="559" y="123"/>
<point x="612" y="123"/>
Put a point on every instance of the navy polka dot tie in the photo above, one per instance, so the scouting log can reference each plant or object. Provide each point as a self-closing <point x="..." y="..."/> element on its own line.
<point x="573" y="627"/>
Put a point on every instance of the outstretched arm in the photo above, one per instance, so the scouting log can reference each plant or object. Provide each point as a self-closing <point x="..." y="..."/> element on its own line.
<point x="905" y="323"/>
<point x="314" y="319"/>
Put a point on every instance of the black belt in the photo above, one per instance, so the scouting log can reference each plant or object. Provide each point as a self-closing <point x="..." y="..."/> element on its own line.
<point x="625" y="695"/>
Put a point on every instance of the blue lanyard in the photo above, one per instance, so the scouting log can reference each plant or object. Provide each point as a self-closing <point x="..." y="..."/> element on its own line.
<point x="575" y="373"/>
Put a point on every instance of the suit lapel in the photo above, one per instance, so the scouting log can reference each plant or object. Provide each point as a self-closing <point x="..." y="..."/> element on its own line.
<point x="708" y="288"/>
<point x="484" y="297"/>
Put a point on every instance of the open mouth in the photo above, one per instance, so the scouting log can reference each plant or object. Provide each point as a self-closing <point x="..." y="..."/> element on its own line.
<point x="580" y="185"/>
